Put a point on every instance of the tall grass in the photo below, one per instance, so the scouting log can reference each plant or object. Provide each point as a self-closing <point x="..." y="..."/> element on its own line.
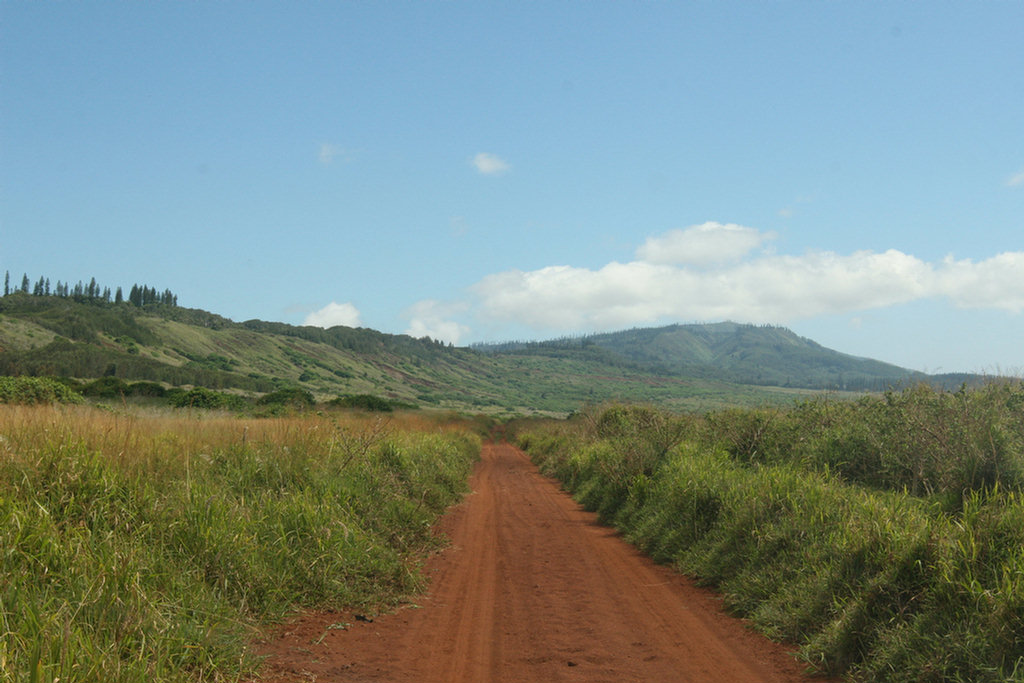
<point x="881" y="582"/>
<point x="145" y="547"/>
<point x="926" y="441"/>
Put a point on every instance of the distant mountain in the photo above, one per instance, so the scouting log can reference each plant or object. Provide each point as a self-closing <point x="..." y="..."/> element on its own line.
<point x="745" y="354"/>
<point x="682" y="366"/>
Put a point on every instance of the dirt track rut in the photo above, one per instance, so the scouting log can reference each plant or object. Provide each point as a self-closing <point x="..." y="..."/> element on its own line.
<point x="533" y="589"/>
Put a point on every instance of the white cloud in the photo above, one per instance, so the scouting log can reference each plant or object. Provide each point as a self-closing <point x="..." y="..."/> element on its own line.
<point x="705" y="244"/>
<point x="997" y="282"/>
<point x="664" y="285"/>
<point x="1016" y="180"/>
<point x="334" y="314"/>
<point x="489" y="164"/>
<point x="328" y="153"/>
<point x="431" y="318"/>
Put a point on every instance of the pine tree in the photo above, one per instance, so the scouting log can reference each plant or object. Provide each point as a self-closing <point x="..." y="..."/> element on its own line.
<point x="118" y="296"/>
<point x="24" y="283"/>
<point x="47" y="287"/>
<point x="7" y="283"/>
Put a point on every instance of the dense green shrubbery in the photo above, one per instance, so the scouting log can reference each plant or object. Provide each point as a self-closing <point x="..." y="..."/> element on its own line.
<point x="298" y="399"/>
<point x="106" y="387"/>
<point x="885" y="582"/>
<point x="31" y="390"/>
<point x="200" y="397"/>
<point x="363" y="402"/>
<point x="927" y="441"/>
<point x="158" y="563"/>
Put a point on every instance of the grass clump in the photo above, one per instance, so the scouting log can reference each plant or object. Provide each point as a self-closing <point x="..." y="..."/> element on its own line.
<point x="870" y="577"/>
<point x="147" y="547"/>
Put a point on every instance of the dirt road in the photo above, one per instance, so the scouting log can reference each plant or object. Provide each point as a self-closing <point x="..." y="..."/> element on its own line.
<point x="533" y="589"/>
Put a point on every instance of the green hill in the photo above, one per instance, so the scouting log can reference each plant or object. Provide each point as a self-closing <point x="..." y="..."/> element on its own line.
<point x="682" y="366"/>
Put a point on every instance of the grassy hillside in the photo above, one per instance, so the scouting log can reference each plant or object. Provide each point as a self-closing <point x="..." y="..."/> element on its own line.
<point x="681" y="366"/>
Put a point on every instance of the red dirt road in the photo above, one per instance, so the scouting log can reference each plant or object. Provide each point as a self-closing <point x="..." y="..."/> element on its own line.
<point x="533" y="589"/>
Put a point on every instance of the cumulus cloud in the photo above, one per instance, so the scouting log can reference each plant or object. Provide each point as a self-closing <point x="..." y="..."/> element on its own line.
<point x="680" y="276"/>
<point x="705" y="244"/>
<point x="996" y="282"/>
<point x="1016" y="180"/>
<point x="432" y="318"/>
<point x="489" y="164"/>
<point x="334" y="314"/>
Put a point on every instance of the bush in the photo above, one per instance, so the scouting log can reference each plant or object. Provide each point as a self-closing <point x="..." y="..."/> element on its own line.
<point x="299" y="399"/>
<point x="924" y="440"/>
<point x="200" y="397"/>
<point x="107" y="387"/>
<point x="364" y="402"/>
<point x="31" y="390"/>
<point x="150" y="389"/>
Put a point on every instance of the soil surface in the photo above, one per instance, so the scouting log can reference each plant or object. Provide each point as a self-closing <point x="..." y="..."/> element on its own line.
<point x="533" y="589"/>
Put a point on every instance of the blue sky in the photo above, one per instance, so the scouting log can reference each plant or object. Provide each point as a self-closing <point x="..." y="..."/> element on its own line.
<point x="491" y="171"/>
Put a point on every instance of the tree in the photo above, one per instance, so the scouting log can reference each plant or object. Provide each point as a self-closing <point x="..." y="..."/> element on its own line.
<point x="25" y="283"/>
<point x="118" y="296"/>
<point x="7" y="283"/>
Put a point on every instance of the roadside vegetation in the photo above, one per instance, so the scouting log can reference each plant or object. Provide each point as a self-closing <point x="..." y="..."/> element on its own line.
<point x="152" y="545"/>
<point x="883" y="536"/>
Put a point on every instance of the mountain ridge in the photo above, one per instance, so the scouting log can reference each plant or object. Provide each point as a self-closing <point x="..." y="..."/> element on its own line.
<point x="681" y="366"/>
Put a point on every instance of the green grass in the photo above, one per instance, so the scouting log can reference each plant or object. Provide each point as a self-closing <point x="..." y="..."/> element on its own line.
<point x="877" y="582"/>
<point x="151" y="548"/>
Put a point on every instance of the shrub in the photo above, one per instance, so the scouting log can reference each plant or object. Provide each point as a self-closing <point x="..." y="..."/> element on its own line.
<point x="201" y="397"/>
<point x="363" y="402"/>
<point x="151" y="389"/>
<point x="31" y="390"/>
<point x="107" y="387"/>
<point x="293" y="398"/>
